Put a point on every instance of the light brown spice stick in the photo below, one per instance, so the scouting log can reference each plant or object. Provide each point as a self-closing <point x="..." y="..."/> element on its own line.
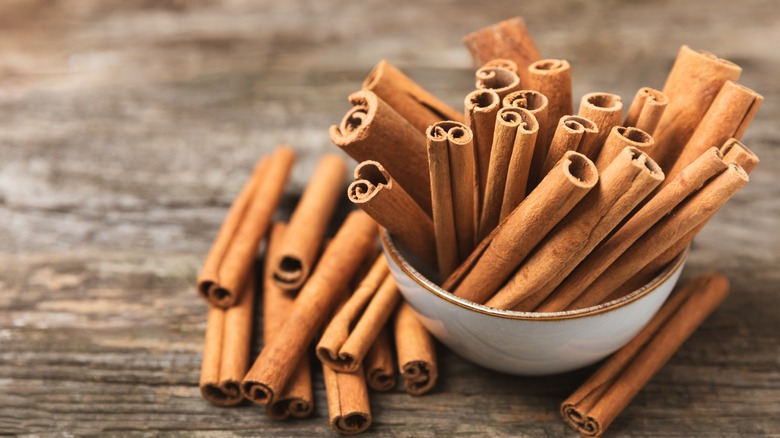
<point x="443" y="210"/>
<point x="596" y="404"/>
<point x="573" y="133"/>
<point x="296" y="399"/>
<point x="515" y="128"/>
<point x="348" y="407"/>
<point x="408" y="98"/>
<point x="646" y="110"/>
<point x="692" y="84"/>
<point x="504" y="63"/>
<point x="537" y="104"/>
<point x="508" y="39"/>
<point x="230" y="259"/>
<point x="308" y="224"/>
<point x="497" y="79"/>
<point x="622" y="185"/>
<point x="273" y="368"/>
<point x="552" y="77"/>
<point x="499" y="254"/>
<point x="728" y="117"/>
<point x="620" y="137"/>
<point x="687" y="182"/>
<point x="380" y="371"/>
<point x="226" y="349"/>
<point x="372" y="130"/>
<point x="698" y="208"/>
<point x="416" y="352"/>
<point x="481" y="107"/>
<point x="606" y="111"/>
<point x="350" y="333"/>
<point x="378" y="194"/>
<point x="458" y="140"/>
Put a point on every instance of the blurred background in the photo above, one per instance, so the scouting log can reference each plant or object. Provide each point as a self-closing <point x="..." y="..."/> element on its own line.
<point x="127" y="128"/>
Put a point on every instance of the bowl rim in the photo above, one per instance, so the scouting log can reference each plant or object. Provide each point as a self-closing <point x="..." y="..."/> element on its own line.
<point x="392" y="251"/>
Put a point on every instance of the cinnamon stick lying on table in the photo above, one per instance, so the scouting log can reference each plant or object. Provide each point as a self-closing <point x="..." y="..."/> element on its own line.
<point x="380" y="371"/>
<point x="537" y="104"/>
<point x="276" y="364"/>
<point x="356" y="325"/>
<point x="372" y="130"/>
<point x="687" y="182"/>
<point x="573" y="133"/>
<point x="729" y="115"/>
<point x="481" y="107"/>
<point x="618" y="139"/>
<point x="497" y="79"/>
<point x="230" y="259"/>
<point x="606" y="111"/>
<point x="552" y="78"/>
<point x="296" y="399"/>
<point x="622" y="185"/>
<point x="693" y="82"/>
<point x="416" y="352"/>
<point x="348" y="405"/>
<point x="378" y="194"/>
<point x="407" y="98"/>
<point x="308" y="224"/>
<point x="499" y="254"/>
<point x="695" y="210"/>
<point x="453" y="188"/>
<point x="646" y="110"/>
<point x="596" y="404"/>
<point x="226" y="349"/>
<point x="508" y="39"/>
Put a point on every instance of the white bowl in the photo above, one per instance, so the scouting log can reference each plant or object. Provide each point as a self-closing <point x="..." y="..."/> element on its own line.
<point x="528" y="343"/>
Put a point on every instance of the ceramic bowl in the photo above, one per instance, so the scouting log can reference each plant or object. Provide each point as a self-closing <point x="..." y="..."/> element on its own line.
<point x="528" y="343"/>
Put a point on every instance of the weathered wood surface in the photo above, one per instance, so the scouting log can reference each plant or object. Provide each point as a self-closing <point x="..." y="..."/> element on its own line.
<point x="127" y="128"/>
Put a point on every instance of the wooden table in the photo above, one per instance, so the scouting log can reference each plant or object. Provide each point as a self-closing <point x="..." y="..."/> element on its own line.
<point x="126" y="129"/>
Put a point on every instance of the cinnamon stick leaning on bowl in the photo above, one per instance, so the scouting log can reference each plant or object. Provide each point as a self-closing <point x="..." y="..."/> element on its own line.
<point x="573" y="133"/>
<point x="537" y="104"/>
<point x="552" y="78"/>
<point x="481" y="107"/>
<point x="296" y="399"/>
<point x="646" y="109"/>
<point x="620" y="137"/>
<point x="416" y="352"/>
<point x="596" y="404"/>
<point x="308" y="224"/>
<point x="229" y="262"/>
<point x="606" y="111"/>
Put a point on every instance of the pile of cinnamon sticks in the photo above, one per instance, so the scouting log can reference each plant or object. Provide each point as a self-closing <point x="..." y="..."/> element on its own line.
<point x="341" y="288"/>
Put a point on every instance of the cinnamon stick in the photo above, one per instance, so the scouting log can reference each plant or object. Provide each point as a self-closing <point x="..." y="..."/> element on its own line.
<point x="695" y="210"/>
<point x="630" y="177"/>
<point x="606" y="111"/>
<point x="481" y="109"/>
<point x="734" y="150"/>
<point x="687" y="182"/>
<point x="308" y="224"/>
<point x="230" y="259"/>
<point x="499" y="254"/>
<point x="497" y="79"/>
<point x="728" y="117"/>
<point x="348" y="407"/>
<point x="504" y="63"/>
<point x="508" y="39"/>
<point x="380" y="371"/>
<point x="408" y="98"/>
<point x="355" y="327"/>
<point x="296" y="399"/>
<point x="537" y="104"/>
<point x="552" y="77"/>
<point x="596" y="404"/>
<point x="315" y="302"/>
<point x="372" y="130"/>
<point x="620" y="137"/>
<point x="378" y="194"/>
<point x="573" y="133"/>
<point x="647" y="109"/>
<point x="226" y="349"/>
<point x="693" y="82"/>
<point x="451" y="162"/>
<point x="416" y="352"/>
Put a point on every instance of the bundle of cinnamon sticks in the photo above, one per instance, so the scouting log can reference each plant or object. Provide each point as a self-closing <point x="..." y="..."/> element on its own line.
<point x="516" y="201"/>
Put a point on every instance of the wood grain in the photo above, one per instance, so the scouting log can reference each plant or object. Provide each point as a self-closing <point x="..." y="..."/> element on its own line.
<point x="127" y="128"/>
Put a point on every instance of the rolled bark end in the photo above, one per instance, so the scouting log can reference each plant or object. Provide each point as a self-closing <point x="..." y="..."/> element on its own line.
<point x="483" y="100"/>
<point x="290" y="272"/>
<point x="734" y="150"/>
<point x="635" y="135"/>
<point x="585" y="425"/>
<point x="380" y="381"/>
<point x="352" y="423"/>
<point x="641" y="159"/>
<point x="603" y="101"/>
<point x="370" y="177"/>
<point x="711" y="56"/>
<point x="506" y="64"/>
<point x="226" y="394"/>
<point x="498" y="79"/>
<point x="419" y="378"/>
<point x="528" y="99"/>
<point x="294" y="407"/>
<point x="579" y="124"/>
<point x="519" y="118"/>
<point x="454" y="132"/>
<point x="547" y="66"/>
<point x="257" y="392"/>
<point x="580" y="169"/>
<point x="219" y="296"/>
<point x="355" y="121"/>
